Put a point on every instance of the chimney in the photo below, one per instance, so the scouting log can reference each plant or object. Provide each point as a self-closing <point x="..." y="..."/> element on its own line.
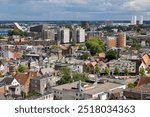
<point x="96" y="80"/>
<point x="79" y="86"/>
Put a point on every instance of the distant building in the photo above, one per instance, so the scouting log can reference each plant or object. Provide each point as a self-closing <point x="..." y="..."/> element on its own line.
<point x="121" y="39"/>
<point x="39" y="28"/>
<point x="78" y="35"/>
<point x="134" y="20"/>
<point x="141" y="20"/>
<point x="98" y="34"/>
<point x="48" y="34"/>
<point x="63" y="35"/>
<point x="111" y="42"/>
<point x="109" y="23"/>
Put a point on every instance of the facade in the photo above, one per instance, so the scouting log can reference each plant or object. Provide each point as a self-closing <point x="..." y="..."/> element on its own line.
<point x="48" y="34"/>
<point x="122" y="65"/>
<point x="134" y="20"/>
<point x="45" y="96"/>
<point x="78" y="35"/>
<point x="38" y="28"/>
<point x="63" y="35"/>
<point x="40" y="83"/>
<point x="121" y="39"/>
<point x="111" y="42"/>
<point x="141" y="20"/>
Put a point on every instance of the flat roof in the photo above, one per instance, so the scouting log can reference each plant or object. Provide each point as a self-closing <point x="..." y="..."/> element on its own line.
<point x="102" y="88"/>
<point x="97" y="89"/>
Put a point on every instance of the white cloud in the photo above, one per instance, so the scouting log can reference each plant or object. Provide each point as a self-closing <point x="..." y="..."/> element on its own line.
<point x="75" y="8"/>
<point x="137" y="5"/>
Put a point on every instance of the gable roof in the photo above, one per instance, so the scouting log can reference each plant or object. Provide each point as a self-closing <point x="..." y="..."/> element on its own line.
<point x="146" y="59"/>
<point x="2" y="90"/>
<point x="24" y="78"/>
<point x="102" y="55"/>
<point x="7" y="80"/>
<point x="143" y="80"/>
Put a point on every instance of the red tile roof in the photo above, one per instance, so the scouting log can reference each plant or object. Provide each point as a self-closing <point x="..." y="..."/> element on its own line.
<point x="143" y="80"/>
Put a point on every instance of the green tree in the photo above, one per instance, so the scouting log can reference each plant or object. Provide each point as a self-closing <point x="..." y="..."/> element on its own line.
<point x="55" y="47"/>
<point x="33" y="93"/>
<point x="111" y="54"/>
<point x="85" y="56"/>
<point x="97" y="69"/>
<point x="142" y="71"/>
<point x="116" y="71"/>
<point x="131" y="85"/>
<point x="65" y="76"/>
<point x="21" y="68"/>
<point x="148" y="70"/>
<point x="1" y="74"/>
<point x="79" y="76"/>
<point x="126" y="71"/>
<point x="107" y="71"/>
<point x="17" y="32"/>
<point x="1" y="37"/>
<point x="95" y="45"/>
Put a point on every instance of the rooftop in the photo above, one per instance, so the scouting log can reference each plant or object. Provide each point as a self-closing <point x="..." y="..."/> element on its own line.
<point x="102" y="87"/>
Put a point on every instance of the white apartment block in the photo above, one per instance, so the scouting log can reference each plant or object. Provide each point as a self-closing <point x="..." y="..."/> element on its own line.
<point x="64" y="35"/>
<point x="134" y="20"/>
<point x="141" y="20"/>
<point x="78" y="35"/>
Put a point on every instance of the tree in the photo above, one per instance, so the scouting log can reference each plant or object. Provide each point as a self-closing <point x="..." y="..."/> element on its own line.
<point x="17" y="32"/>
<point x="111" y="54"/>
<point x="79" y="76"/>
<point x="97" y="69"/>
<point x="85" y="56"/>
<point x="1" y="74"/>
<point x="116" y="70"/>
<point x="126" y="71"/>
<point x="21" y="68"/>
<point x="32" y="93"/>
<point x="55" y="47"/>
<point x="95" y="45"/>
<point x="107" y="71"/>
<point x="1" y="37"/>
<point x="65" y="76"/>
<point x="131" y="85"/>
<point x="68" y="76"/>
<point x="142" y="71"/>
<point x="148" y="70"/>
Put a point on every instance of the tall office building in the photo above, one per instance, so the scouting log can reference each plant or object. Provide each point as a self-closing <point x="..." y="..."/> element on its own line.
<point x="111" y="42"/>
<point x="141" y="20"/>
<point x="134" y="20"/>
<point x="121" y="39"/>
<point x="63" y="35"/>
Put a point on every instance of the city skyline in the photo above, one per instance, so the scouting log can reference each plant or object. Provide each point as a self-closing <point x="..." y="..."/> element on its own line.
<point x="73" y="10"/>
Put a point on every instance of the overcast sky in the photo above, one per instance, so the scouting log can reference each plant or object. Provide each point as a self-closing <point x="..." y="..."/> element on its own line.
<point x="73" y="9"/>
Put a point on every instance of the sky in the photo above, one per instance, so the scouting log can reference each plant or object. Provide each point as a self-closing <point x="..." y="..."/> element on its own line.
<point x="73" y="9"/>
